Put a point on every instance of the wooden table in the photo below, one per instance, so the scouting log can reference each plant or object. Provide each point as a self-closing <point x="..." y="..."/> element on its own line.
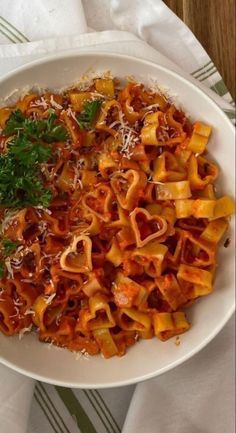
<point x="213" y="23"/>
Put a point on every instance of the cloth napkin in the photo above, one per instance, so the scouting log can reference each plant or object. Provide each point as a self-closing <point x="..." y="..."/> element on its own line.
<point x="198" y="396"/>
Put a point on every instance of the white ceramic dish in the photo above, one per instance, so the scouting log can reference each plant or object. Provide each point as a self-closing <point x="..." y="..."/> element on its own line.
<point x="208" y="316"/>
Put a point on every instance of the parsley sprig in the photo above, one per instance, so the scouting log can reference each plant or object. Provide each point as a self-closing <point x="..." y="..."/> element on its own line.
<point x="20" y="178"/>
<point x="20" y="182"/>
<point x="2" y="269"/>
<point x="15" y="122"/>
<point x="7" y="248"/>
<point x="47" y="130"/>
<point x="89" y="114"/>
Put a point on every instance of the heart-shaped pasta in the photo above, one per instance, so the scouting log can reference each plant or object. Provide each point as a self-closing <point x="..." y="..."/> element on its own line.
<point x="91" y="225"/>
<point x="150" y="129"/>
<point x="26" y="291"/>
<point x="171" y="290"/>
<point x="131" y="319"/>
<point x="127" y="292"/>
<point x="174" y="244"/>
<point x="108" y="114"/>
<point x="120" y="216"/>
<point x="168" y="169"/>
<point x="128" y="187"/>
<point x="106" y="164"/>
<point x="99" y="202"/>
<point x="93" y="284"/>
<point x="126" y="99"/>
<point x="201" y="172"/>
<point x="196" y="251"/>
<point x="58" y="227"/>
<point x="151" y="257"/>
<point x="98" y="315"/>
<point x="16" y="226"/>
<point x="30" y="261"/>
<point x="147" y="227"/>
<point x="78" y="256"/>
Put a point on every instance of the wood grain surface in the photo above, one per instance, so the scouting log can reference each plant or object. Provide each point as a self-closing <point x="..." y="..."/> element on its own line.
<point x="213" y="23"/>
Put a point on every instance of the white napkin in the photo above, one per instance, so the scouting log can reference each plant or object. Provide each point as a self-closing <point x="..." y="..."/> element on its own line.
<point x="16" y="393"/>
<point x="54" y="25"/>
<point x="152" y="22"/>
<point x="197" y="397"/>
<point x="32" y="20"/>
<point x="21" y="21"/>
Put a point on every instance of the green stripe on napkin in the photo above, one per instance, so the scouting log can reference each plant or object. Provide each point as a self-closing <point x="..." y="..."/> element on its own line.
<point x="9" y="28"/>
<point x="4" y="33"/>
<point x="202" y="68"/>
<point x="205" y="71"/>
<point x="44" y="410"/>
<point x="76" y="410"/>
<point x="52" y="406"/>
<point x="220" y="88"/>
<point x="107" y="409"/>
<point x="107" y="420"/>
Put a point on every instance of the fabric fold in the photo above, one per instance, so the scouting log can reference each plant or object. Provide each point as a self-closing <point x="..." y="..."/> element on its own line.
<point x="33" y="20"/>
<point x="196" y="397"/>
<point x="16" y="394"/>
<point x="153" y="22"/>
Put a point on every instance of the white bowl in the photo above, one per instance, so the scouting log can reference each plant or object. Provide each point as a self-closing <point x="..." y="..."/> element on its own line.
<point x="208" y="316"/>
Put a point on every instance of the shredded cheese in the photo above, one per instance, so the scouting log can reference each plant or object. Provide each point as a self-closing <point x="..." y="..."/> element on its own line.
<point x="29" y="311"/>
<point x="24" y="330"/>
<point x="9" y="268"/>
<point x="54" y="104"/>
<point x="48" y="299"/>
<point x="40" y="103"/>
<point x="128" y="136"/>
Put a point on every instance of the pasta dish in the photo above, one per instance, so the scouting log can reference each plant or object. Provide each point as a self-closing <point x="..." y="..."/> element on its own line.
<point x="109" y="219"/>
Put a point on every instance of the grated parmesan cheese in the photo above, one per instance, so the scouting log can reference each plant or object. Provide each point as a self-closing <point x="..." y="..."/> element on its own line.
<point x="80" y="183"/>
<point x="24" y="330"/>
<point x="9" y="268"/>
<point x="129" y="137"/>
<point x="17" y="302"/>
<point x="40" y="207"/>
<point x="8" y="216"/>
<point x="17" y="312"/>
<point x="29" y="311"/>
<point x="82" y="353"/>
<point x="40" y="103"/>
<point x="54" y="104"/>
<point x="26" y="280"/>
<point x="58" y="318"/>
<point x="177" y="341"/>
<point x="48" y="299"/>
<point x="49" y="345"/>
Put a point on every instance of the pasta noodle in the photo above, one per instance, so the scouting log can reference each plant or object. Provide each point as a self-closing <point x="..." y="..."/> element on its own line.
<point x="110" y="224"/>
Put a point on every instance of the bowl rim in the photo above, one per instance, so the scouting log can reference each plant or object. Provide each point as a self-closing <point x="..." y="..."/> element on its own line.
<point x="76" y="52"/>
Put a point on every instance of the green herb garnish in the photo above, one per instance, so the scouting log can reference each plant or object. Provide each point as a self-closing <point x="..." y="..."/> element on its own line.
<point x="20" y="178"/>
<point x="90" y="111"/>
<point x="2" y="269"/>
<point x="41" y="129"/>
<point x="20" y="182"/>
<point x="9" y="246"/>
<point x="14" y="123"/>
